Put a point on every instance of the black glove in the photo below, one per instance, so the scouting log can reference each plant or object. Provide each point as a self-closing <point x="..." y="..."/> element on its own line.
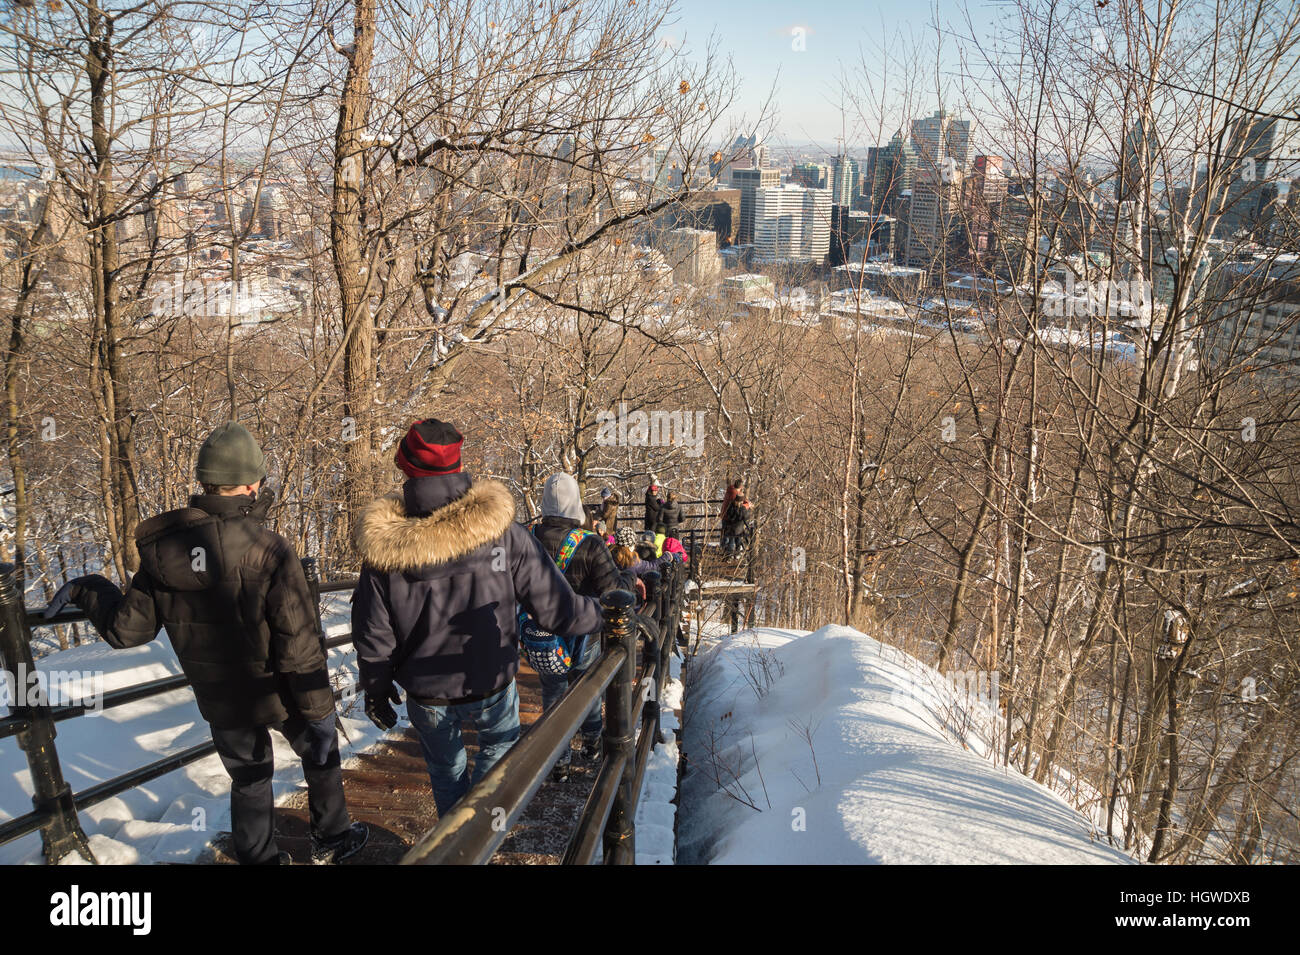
<point x="379" y="707"/>
<point x="63" y="596"/>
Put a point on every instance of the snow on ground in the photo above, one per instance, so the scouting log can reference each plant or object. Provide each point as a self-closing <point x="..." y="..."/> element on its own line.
<point x="831" y="747"/>
<point x="172" y="818"/>
<point x="656" y="811"/>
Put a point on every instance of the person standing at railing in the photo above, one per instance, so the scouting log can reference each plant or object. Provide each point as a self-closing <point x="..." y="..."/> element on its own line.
<point x="652" y="505"/>
<point x="737" y="526"/>
<point x="590" y="570"/>
<point x="626" y="557"/>
<point x="607" y="510"/>
<point x="734" y="490"/>
<point x="443" y="566"/>
<point x="239" y="613"/>
<point x="670" y="515"/>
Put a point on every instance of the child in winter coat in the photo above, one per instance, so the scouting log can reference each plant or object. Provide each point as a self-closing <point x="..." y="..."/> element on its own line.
<point x="673" y="548"/>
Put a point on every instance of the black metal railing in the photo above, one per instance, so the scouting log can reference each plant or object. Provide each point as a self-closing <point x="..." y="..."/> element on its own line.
<point x="465" y="835"/>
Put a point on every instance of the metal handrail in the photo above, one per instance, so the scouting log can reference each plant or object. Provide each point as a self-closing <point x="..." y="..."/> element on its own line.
<point x="461" y="837"/>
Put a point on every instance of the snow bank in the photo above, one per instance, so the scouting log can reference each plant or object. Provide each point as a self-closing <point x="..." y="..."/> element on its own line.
<point x="830" y="747"/>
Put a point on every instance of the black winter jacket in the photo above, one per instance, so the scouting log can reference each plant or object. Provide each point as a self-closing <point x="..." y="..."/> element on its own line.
<point x="652" y="507"/>
<point x="670" y="516"/>
<point x="592" y="571"/>
<point x="236" y="606"/>
<point x="444" y="564"/>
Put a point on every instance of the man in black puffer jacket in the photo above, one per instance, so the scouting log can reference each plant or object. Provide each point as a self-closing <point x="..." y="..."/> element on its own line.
<point x="444" y="564"/>
<point x="240" y="616"/>
<point x="670" y="515"/>
<point x="591" y="571"/>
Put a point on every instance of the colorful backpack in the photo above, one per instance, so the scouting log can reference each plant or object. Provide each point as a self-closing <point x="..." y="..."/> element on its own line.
<point x="544" y="651"/>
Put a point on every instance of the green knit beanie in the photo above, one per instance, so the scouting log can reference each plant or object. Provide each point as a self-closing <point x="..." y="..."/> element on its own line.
<point x="230" y="456"/>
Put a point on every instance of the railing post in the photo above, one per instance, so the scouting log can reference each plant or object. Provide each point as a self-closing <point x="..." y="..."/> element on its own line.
<point x="667" y="638"/>
<point x="679" y="598"/>
<point x="61" y="835"/>
<point x="651" y="581"/>
<point x="620" y="629"/>
<point x="311" y="570"/>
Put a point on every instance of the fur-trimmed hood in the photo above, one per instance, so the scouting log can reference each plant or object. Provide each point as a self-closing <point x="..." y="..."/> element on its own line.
<point x="389" y="540"/>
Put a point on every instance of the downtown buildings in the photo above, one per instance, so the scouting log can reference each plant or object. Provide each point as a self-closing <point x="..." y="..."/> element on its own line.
<point x="792" y="223"/>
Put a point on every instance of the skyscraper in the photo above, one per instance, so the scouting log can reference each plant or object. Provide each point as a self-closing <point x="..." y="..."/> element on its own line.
<point x="1137" y="158"/>
<point x="890" y="171"/>
<point x="693" y="254"/>
<point x="1254" y="157"/>
<point x="941" y="137"/>
<point x="983" y="194"/>
<point x="792" y="223"/>
<point x="810" y="174"/>
<point x="659" y="165"/>
<point x="749" y="181"/>
<point x="748" y="152"/>
<point x="934" y="217"/>
<point x="842" y="184"/>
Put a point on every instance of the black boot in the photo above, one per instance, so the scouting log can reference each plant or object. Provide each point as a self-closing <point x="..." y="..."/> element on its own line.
<point x="333" y="851"/>
<point x="591" y="748"/>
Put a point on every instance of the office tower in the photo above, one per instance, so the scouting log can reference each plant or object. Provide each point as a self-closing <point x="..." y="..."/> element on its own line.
<point x="1140" y="154"/>
<point x="1256" y="321"/>
<point x="941" y="137"/>
<point x="859" y="191"/>
<point x="1260" y="154"/>
<point x="693" y="254"/>
<point x="657" y="171"/>
<point x="749" y="181"/>
<point x="747" y="152"/>
<point x="891" y="170"/>
<point x="855" y="233"/>
<point x="841" y="180"/>
<point x="811" y="175"/>
<point x="934" y="217"/>
<point x="792" y="223"/>
<point x="983" y="193"/>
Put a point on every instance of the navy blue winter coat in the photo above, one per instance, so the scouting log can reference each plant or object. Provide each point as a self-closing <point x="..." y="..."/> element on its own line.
<point x="444" y="564"/>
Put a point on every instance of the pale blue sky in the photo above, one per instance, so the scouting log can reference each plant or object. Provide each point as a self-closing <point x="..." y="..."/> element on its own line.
<point x="839" y="35"/>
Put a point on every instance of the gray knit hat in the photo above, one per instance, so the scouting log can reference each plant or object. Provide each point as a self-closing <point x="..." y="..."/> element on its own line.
<point x="230" y="456"/>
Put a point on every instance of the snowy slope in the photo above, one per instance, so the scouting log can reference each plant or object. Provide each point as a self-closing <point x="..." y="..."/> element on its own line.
<point x="885" y="779"/>
<point x="174" y="817"/>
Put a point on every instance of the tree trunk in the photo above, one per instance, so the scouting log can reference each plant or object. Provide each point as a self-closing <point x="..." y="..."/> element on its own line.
<point x="350" y="264"/>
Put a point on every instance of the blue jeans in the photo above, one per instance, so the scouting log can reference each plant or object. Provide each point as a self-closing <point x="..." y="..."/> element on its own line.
<point x="497" y="721"/>
<point x="554" y="687"/>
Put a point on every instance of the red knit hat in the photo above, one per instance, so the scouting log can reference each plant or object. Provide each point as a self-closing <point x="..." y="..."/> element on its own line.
<point x="430" y="447"/>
